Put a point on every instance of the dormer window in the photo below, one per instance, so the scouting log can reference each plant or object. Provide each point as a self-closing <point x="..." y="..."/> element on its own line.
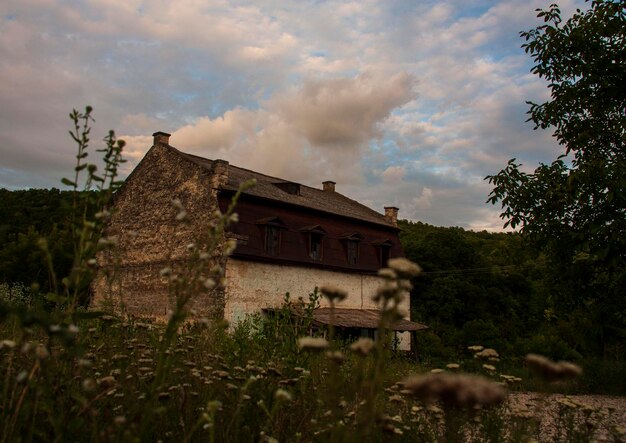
<point x="288" y="187"/>
<point x="272" y="226"/>
<point x="272" y="240"/>
<point x="352" y="249"/>
<point x="384" y="250"/>
<point x="315" y="241"/>
<point x="351" y="242"/>
<point x="315" y="246"/>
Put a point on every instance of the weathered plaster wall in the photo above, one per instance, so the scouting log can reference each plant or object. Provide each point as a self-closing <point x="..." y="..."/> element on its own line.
<point x="253" y="286"/>
<point x="149" y="236"/>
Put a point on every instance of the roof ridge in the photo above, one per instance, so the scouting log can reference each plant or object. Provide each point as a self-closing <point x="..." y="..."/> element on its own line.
<point x="366" y="213"/>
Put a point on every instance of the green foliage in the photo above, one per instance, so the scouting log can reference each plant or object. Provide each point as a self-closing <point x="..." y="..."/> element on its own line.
<point x="476" y="288"/>
<point x="574" y="209"/>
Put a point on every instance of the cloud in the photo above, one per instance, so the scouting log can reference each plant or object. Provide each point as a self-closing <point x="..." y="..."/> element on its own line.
<point x="316" y="130"/>
<point x="344" y="112"/>
<point x="308" y="91"/>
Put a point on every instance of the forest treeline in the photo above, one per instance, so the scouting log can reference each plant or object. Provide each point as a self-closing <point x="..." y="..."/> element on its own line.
<point x="491" y="289"/>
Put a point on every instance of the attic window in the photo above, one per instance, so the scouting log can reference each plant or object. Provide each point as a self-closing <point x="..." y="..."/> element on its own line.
<point x="384" y="250"/>
<point x="315" y="236"/>
<point x="289" y="187"/>
<point x="272" y="239"/>
<point x="351" y="243"/>
<point x="272" y="227"/>
<point x="352" y="250"/>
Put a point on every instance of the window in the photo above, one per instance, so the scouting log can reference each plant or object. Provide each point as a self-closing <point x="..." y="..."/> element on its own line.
<point x="315" y="246"/>
<point x="272" y="240"/>
<point x="352" y="250"/>
<point x="384" y="254"/>
<point x="314" y="241"/>
<point x="351" y="244"/>
<point x="383" y="249"/>
<point x="270" y="230"/>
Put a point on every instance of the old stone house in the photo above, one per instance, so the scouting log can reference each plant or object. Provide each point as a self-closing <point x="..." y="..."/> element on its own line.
<point x="290" y="239"/>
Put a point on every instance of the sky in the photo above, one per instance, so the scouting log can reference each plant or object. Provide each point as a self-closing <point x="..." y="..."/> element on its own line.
<point x="401" y="103"/>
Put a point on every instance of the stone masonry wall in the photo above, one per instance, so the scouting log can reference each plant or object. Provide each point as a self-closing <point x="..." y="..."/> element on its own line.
<point x="149" y="236"/>
<point x="253" y="286"/>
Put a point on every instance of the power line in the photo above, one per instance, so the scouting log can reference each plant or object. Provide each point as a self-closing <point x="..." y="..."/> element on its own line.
<point x="475" y="270"/>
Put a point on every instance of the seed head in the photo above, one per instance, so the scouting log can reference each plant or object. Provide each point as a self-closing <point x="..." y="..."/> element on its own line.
<point x="551" y="371"/>
<point x="282" y="395"/>
<point x="455" y="390"/>
<point x="387" y="273"/>
<point x="403" y="267"/>
<point x="312" y="343"/>
<point x="41" y="352"/>
<point x="487" y="353"/>
<point x="362" y="346"/>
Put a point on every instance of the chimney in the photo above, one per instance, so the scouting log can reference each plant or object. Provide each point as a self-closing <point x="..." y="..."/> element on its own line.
<point x="220" y="173"/>
<point x="391" y="215"/>
<point x="329" y="186"/>
<point x="161" y="138"/>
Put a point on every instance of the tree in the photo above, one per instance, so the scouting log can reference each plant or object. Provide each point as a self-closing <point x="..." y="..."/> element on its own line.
<point x="575" y="207"/>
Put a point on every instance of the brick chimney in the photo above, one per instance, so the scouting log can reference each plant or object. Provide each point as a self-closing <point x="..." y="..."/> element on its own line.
<point x="329" y="186"/>
<point x="161" y="138"/>
<point x="391" y="215"/>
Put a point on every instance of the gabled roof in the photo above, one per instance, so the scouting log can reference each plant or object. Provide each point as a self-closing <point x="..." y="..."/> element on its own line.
<point x="308" y="197"/>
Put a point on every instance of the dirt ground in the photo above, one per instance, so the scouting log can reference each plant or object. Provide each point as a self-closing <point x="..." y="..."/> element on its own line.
<point x="604" y="417"/>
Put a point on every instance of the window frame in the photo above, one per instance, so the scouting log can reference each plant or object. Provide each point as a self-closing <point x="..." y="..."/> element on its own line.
<point x="273" y="236"/>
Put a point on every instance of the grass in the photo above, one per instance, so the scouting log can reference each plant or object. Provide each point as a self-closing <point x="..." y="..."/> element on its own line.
<point x="226" y="385"/>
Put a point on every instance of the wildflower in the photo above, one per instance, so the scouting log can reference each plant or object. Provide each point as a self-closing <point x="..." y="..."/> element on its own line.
<point x="214" y="405"/>
<point x="89" y="385"/>
<point x="22" y="376"/>
<point x="403" y="267"/>
<point x="177" y="203"/>
<point x="312" y="343"/>
<point x="335" y="356"/>
<point x="106" y="382"/>
<point x="487" y="353"/>
<point x="551" y="371"/>
<point x="455" y="390"/>
<point x="230" y="246"/>
<point x="84" y="363"/>
<point x="209" y="283"/>
<point x="387" y="273"/>
<point x="9" y="344"/>
<point x="282" y="395"/>
<point x="334" y="293"/>
<point x="362" y="346"/>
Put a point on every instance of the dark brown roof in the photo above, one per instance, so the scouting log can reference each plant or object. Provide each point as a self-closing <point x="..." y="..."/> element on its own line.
<point x="361" y="318"/>
<point x="308" y="197"/>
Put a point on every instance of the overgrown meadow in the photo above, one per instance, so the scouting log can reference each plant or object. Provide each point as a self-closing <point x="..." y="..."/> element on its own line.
<point x="68" y="373"/>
